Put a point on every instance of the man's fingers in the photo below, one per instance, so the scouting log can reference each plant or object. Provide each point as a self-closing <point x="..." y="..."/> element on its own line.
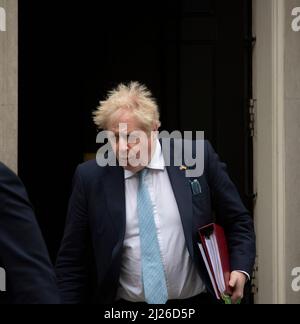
<point x="238" y="292"/>
<point x="232" y="281"/>
<point x="237" y="296"/>
<point x="237" y="282"/>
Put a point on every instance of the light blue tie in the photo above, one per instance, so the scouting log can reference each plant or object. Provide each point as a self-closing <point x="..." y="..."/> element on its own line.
<point x="153" y="274"/>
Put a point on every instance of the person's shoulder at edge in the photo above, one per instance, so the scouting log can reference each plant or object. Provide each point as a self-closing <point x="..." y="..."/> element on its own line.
<point x="8" y="178"/>
<point x="4" y="170"/>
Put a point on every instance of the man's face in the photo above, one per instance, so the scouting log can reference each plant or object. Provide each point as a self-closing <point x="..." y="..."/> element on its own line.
<point x="132" y="145"/>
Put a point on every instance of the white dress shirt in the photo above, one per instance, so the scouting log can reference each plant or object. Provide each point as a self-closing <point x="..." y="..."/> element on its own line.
<point x="183" y="280"/>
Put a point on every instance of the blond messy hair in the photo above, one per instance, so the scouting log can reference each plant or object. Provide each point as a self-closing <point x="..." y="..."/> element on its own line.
<point x="133" y="97"/>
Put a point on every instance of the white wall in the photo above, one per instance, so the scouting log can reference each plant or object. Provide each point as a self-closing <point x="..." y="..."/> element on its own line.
<point x="277" y="149"/>
<point x="262" y="77"/>
<point x="9" y="85"/>
<point x="292" y="148"/>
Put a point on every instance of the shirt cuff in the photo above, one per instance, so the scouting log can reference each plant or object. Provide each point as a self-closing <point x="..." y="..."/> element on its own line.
<point x="245" y="273"/>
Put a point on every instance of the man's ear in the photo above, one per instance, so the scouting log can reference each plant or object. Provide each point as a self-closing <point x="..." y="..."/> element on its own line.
<point x="154" y="132"/>
<point x="155" y="127"/>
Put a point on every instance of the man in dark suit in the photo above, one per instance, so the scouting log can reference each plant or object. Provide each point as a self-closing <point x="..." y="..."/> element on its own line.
<point x="131" y="232"/>
<point x="30" y="277"/>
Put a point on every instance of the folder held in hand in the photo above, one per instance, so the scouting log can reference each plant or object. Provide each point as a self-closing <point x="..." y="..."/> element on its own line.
<point x="214" y="251"/>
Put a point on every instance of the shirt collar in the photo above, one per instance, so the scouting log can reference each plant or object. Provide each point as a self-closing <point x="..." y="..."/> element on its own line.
<point x="157" y="162"/>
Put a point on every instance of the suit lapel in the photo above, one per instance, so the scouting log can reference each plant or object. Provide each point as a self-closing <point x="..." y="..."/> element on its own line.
<point x="114" y="186"/>
<point x="183" y="196"/>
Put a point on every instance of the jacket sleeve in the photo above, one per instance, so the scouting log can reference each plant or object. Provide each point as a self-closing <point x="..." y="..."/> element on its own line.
<point x="231" y="214"/>
<point x="23" y="253"/>
<point x="71" y="266"/>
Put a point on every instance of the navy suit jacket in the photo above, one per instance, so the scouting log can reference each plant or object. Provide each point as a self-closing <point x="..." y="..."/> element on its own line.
<point x="30" y="276"/>
<point x="89" y="261"/>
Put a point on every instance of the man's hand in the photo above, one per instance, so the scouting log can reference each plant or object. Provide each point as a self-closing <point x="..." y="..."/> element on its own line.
<point x="237" y="283"/>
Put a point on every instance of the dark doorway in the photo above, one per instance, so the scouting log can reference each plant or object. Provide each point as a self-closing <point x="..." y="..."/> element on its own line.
<point x="194" y="55"/>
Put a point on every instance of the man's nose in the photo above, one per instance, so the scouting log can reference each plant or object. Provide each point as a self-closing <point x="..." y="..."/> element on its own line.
<point x="123" y="145"/>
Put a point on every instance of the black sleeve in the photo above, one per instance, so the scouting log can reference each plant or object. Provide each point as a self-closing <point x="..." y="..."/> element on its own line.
<point x="71" y="267"/>
<point x="231" y="214"/>
<point x="23" y="253"/>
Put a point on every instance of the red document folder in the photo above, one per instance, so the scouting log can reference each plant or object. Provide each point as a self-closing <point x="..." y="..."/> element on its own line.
<point x="214" y="251"/>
